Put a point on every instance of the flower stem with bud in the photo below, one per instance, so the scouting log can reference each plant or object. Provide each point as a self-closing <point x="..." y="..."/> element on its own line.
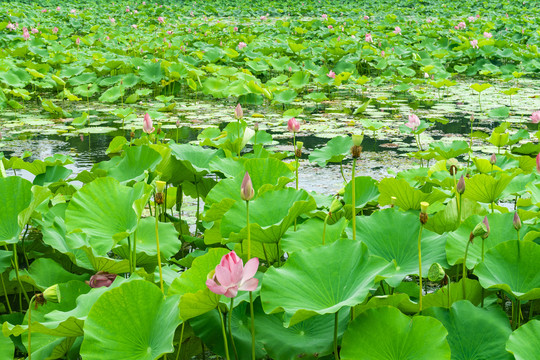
<point x="423" y="220"/>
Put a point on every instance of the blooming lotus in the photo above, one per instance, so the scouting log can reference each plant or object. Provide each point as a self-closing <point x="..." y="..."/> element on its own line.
<point x="414" y="122"/>
<point x="241" y="45"/>
<point x="397" y="30"/>
<point x="26" y="34"/>
<point x="161" y="19"/>
<point x="55" y="30"/>
<point x="535" y="117"/>
<point x="331" y="74"/>
<point x="474" y="44"/>
<point x="231" y="276"/>
<point x="487" y="35"/>
<point x="366" y="17"/>
<point x="293" y="125"/>
<point x="324" y="16"/>
<point x="369" y="38"/>
<point x="330" y="27"/>
<point x="147" y="124"/>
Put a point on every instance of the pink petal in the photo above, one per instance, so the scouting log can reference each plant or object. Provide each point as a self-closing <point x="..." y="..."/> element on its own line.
<point x="223" y="275"/>
<point x="215" y="288"/>
<point x="250" y="285"/>
<point x="231" y="292"/>
<point x="250" y="269"/>
<point x="237" y="270"/>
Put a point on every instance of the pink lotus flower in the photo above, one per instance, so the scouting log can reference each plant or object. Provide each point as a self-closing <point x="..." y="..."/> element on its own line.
<point x="191" y="13"/>
<point x="535" y="117"/>
<point x="10" y="26"/>
<point x="474" y="44"/>
<point x="26" y="34"/>
<point x="73" y="11"/>
<point x="34" y="31"/>
<point x="246" y="189"/>
<point x="169" y="32"/>
<point x="429" y="21"/>
<point x="101" y="279"/>
<point x="471" y="18"/>
<point x="107" y="37"/>
<point x="241" y="45"/>
<point x="135" y="11"/>
<point x="78" y="41"/>
<point x="238" y="112"/>
<point x="461" y="25"/>
<point x="397" y="30"/>
<point x="369" y="38"/>
<point x="112" y="20"/>
<point x="382" y="53"/>
<point x="293" y="125"/>
<point x="414" y="122"/>
<point x="161" y="19"/>
<point x="538" y="163"/>
<point x="147" y="124"/>
<point x="231" y="276"/>
<point x="55" y="30"/>
<point x="366" y="17"/>
<point x="330" y="27"/>
<point x="263" y="18"/>
<point x="487" y="35"/>
<point x="236" y="28"/>
<point x="134" y="26"/>
<point x="331" y="74"/>
<point x="43" y="10"/>
<point x="58" y="8"/>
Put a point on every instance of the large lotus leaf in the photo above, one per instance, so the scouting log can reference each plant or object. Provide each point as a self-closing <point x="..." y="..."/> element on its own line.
<point x="45" y="272"/>
<point x="196" y="299"/>
<point x="447" y="219"/>
<point x="103" y="210"/>
<point x="524" y="343"/>
<point x="452" y="150"/>
<point x="134" y="165"/>
<point x="441" y="297"/>
<point x="309" y="234"/>
<point x="112" y="94"/>
<point x="393" y="235"/>
<point x="7" y="347"/>
<point x="366" y="191"/>
<point x="299" y="80"/>
<point x="134" y="321"/>
<point x="16" y="195"/>
<point x="512" y="266"/>
<point x="406" y="196"/>
<point x="474" y="333"/>
<point x="195" y="158"/>
<point x="334" y="151"/>
<point x="501" y="229"/>
<point x="46" y="347"/>
<point x="485" y="188"/>
<point x="52" y="175"/>
<point x="385" y="333"/>
<point x="321" y="280"/>
<point x="285" y="97"/>
<point x="37" y="166"/>
<point x="151" y="72"/>
<point x="270" y="215"/>
<point x="398" y="300"/>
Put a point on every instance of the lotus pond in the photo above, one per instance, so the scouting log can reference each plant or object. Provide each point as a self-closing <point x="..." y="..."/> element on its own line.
<point x="269" y="180"/>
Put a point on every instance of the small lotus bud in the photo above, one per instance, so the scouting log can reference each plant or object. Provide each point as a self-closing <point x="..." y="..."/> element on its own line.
<point x="177" y="124"/>
<point x="357" y="139"/>
<point x="517" y="221"/>
<point x="160" y="186"/>
<point x="493" y="159"/>
<point x="246" y="190"/>
<point x="298" y="150"/>
<point x="256" y="126"/>
<point x="238" y="112"/>
<point x="460" y="187"/>
<point x="436" y="273"/>
<point x="479" y="230"/>
<point x="336" y="205"/>
<point x="52" y="294"/>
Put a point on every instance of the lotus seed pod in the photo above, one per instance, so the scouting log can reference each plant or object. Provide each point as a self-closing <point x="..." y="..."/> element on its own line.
<point x="479" y="230"/>
<point x="52" y="294"/>
<point x="336" y="205"/>
<point x="160" y="186"/>
<point x="424" y="206"/>
<point x="436" y="272"/>
<point x="357" y="139"/>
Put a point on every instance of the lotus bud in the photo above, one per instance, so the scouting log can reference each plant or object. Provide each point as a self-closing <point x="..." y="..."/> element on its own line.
<point x="436" y="273"/>
<point x="393" y="201"/>
<point x="538" y="163"/>
<point x="238" y="112"/>
<point x="256" y="126"/>
<point x="52" y="294"/>
<point x="246" y="190"/>
<point x="493" y="159"/>
<point x="147" y="124"/>
<point x="423" y="212"/>
<point x="517" y="221"/>
<point x="101" y="279"/>
<point x="293" y="125"/>
<point x="298" y="150"/>
<point x="460" y="187"/>
<point x="335" y="206"/>
<point x="341" y="192"/>
<point x="479" y="230"/>
<point x="177" y="124"/>
<point x="486" y="223"/>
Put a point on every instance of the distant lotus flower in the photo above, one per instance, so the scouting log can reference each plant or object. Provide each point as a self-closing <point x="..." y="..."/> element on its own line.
<point x="397" y="30"/>
<point x="43" y="10"/>
<point x="429" y="21"/>
<point x="112" y="20"/>
<point x="161" y="19"/>
<point x="487" y="35"/>
<point x="426" y="75"/>
<point x="330" y="27"/>
<point x="369" y="38"/>
<point x="241" y="45"/>
<point x="236" y="28"/>
<point x="10" y="26"/>
<point x="246" y="189"/>
<point x="78" y="41"/>
<point x="188" y="30"/>
<point x="134" y="26"/>
<point x="290" y="69"/>
<point x="238" y="112"/>
<point x="414" y="122"/>
<point x="535" y="117"/>
<point x="231" y="276"/>
<point x="169" y="32"/>
<point x="73" y="11"/>
<point x="26" y="34"/>
<point x="58" y="8"/>
<point x="474" y="44"/>
<point x="147" y="124"/>
<point x="366" y="17"/>
<point x="460" y="187"/>
<point x="471" y="18"/>
<point x="101" y="279"/>
<point x="34" y="31"/>
<point x="263" y="18"/>
<point x="127" y="9"/>
<point x="493" y="159"/>
<point x="382" y="53"/>
<point x="517" y="221"/>
<point x="293" y="125"/>
<point x="461" y="25"/>
<point x="107" y="37"/>
<point x="324" y="16"/>
<point x="135" y="11"/>
<point x="331" y="74"/>
<point x="55" y="30"/>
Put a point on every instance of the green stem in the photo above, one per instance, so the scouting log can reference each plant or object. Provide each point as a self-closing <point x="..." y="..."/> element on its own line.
<point x="324" y="228"/>
<point x="336" y="319"/>
<point x="134" y="255"/>
<point x="30" y="327"/>
<point x="16" y="266"/>
<point x="180" y="342"/>
<point x="265" y="255"/>
<point x="5" y="293"/>
<point x="229" y="318"/>
<point x="248" y="230"/>
<point x="353" y="200"/>
<point x="464" y="275"/>
<point x="252" y="325"/>
<point x="224" y="334"/>
<point x="158" y="251"/>
<point x="420" y="266"/>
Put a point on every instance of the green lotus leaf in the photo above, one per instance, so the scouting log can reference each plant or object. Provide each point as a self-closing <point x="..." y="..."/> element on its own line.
<point x="44" y="272"/>
<point x="303" y="288"/>
<point x="151" y="73"/>
<point x="215" y="87"/>
<point x="524" y="343"/>
<point x="266" y="226"/>
<point x="334" y="152"/>
<point x="406" y="196"/>
<point x="447" y="219"/>
<point x="441" y="297"/>
<point x="112" y="94"/>
<point x="51" y="175"/>
<point x="501" y="229"/>
<point x="16" y="195"/>
<point x="398" y="300"/>
<point x="299" y="80"/>
<point x="485" y="188"/>
<point x="286" y="96"/>
<point x="366" y="191"/>
<point x="512" y="266"/>
<point x="132" y="321"/>
<point x="195" y="158"/>
<point x="309" y="234"/>
<point x="134" y="165"/>
<point x="499" y="113"/>
<point x="393" y="235"/>
<point x="452" y="150"/>
<point x="316" y="96"/>
<point x="468" y="327"/>
<point x="386" y="333"/>
<point x="480" y="87"/>
<point x="103" y="210"/>
<point x="7" y="347"/>
<point x="37" y="166"/>
<point x="195" y="298"/>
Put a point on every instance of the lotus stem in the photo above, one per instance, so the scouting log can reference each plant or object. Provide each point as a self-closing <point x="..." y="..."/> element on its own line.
<point x="224" y="334"/>
<point x="252" y="325"/>
<point x="248" y="230"/>
<point x="229" y="318"/>
<point x="158" y="251"/>
<point x="30" y="327"/>
<point x="353" y="199"/>
<point x="265" y="255"/>
<point x="5" y="293"/>
<point x="324" y="228"/>
<point x="420" y="267"/>
<point x="134" y="251"/>
<point x="336" y="320"/>
<point x="341" y="170"/>
<point x="15" y="263"/>
<point x="464" y="275"/>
